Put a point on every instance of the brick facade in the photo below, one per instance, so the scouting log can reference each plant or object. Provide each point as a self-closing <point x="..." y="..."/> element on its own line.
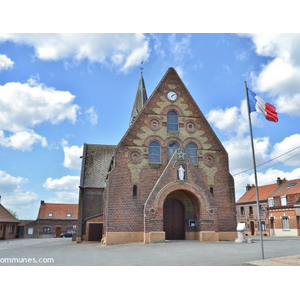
<point x="136" y="189"/>
<point x="53" y="219"/>
<point x="280" y="208"/>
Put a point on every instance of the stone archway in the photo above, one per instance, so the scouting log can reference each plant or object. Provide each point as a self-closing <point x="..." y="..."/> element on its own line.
<point x="200" y="211"/>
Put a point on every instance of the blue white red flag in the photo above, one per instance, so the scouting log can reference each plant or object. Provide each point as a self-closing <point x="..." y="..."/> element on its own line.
<point x="258" y="104"/>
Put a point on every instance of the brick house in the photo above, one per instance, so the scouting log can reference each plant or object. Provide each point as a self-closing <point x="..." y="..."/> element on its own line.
<point x="279" y="208"/>
<point x="52" y="220"/>
<point x="8" y="224"/>
<point x="168" y="178"/>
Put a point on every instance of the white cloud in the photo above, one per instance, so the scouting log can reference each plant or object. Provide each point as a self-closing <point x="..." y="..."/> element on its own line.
<point x="123" y="51"/>
<point x="176" y="50"/>
<point x="72" y="156"/>
<point x="180" y="49"/>
<point x="232" y="120"/>
<point x="64" y="197"/>
<point x="65" y="188"/>
<point x="9" y="183"/>
<point x="289" y="143"/>
<point x="22" y="140"/>
<point x="28" y="104"/>
<point x="12" y="195"/>
<point x="25" y="105"/>
<point x="5" y="62"/>
<point x="65" y="183"/>
<point x="280" y="76"/>
<point x="92" y="115"/>
<point x="240" y="153"/>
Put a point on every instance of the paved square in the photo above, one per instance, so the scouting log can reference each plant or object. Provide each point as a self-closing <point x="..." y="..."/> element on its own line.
<point x="64" y="252"/>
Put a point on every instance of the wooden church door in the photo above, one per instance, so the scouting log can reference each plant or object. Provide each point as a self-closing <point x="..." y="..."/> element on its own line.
<point x="174" y="220"/>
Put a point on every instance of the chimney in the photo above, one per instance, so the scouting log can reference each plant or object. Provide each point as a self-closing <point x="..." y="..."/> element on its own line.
<point x="279" y="181"/>
<point x="42" y="202"/>
<point x="248" y="187"/>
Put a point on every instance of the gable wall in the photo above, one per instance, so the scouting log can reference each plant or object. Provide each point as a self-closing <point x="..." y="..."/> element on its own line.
<point x="123" y="213"/>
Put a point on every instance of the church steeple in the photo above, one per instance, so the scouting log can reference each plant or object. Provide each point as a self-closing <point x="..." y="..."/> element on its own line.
<point x="140" y="99"/>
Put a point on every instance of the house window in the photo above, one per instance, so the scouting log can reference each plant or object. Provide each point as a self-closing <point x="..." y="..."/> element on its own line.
<point x="191" y="150"/>
<point x="134" y="192"/>
<point x="46" y="230"/>
<point x="68" y="215"/>
<point x="11" y="229"/>
<point x="271" y="202"/>
<point x="69" y="229"/>
<point x="154" y="152"/>
<point x="50" y="215"/>
<point x="172" y="121"/>
<point x="283" y="200"/>
<point x="260" y="209"/>
<point x="172" y="147"/>
<point x="242" y="210"/>
<point x="250" y="210"/>
<point x="211" y="189"/>
<point x="263" y="226"/>
<point x="285" y="222"/>
<point x="30" y="231"/>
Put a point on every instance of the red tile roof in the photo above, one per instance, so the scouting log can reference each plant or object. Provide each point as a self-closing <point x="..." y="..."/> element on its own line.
<point x="58" y="211"/>
<point x="6" y="216"/>
<point x="287" y="187"/>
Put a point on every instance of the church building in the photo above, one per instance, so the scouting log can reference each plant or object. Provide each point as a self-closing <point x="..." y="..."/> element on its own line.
<point x="167" y="179"/>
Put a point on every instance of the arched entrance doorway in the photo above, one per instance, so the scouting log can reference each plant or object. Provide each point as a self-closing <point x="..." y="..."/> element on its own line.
<point x="174" y="219"/>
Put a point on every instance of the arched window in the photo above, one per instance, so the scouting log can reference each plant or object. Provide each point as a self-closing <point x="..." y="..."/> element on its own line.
<point x="192" y="151"/>
<point x="172" y="121"/>
<point x="172" y="147"/>
<point x="154" y="152"/>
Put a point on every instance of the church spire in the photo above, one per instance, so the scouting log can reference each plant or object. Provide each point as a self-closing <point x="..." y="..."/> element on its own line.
<point x="140" y="98"/>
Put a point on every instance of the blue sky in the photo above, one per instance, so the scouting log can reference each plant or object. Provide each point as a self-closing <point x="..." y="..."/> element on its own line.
<point x="58" y="91"/>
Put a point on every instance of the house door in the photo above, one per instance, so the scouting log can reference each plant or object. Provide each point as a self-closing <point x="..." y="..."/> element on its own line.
<point x="58" y="232"/>
<point x="4" y="230"/>
<point x="272" y="227"/>
<point x="174" y="220"/>
<point x="252" y="228"/>
<point x="95" y="231"/>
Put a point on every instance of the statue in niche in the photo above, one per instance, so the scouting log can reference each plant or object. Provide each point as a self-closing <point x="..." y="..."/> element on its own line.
<point x="181" y="172"/>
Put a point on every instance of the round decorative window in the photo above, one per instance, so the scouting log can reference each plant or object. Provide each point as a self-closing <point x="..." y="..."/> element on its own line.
<point x="209" y="160"/>
<point x="155" y="124"/>
<point x="190" y="126"/>
<point x="152" y="211"/>
<point x="135" y="156"/>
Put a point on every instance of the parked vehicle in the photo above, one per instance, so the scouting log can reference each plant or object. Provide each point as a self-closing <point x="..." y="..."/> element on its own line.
<point x="67" y="234"/>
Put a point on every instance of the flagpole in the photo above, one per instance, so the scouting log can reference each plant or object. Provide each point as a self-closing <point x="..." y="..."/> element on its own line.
<point x="255" y="175"/>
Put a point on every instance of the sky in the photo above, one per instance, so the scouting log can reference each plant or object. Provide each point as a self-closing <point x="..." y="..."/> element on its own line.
<point x="61" y="90"/>
<point x="58" y="91"/>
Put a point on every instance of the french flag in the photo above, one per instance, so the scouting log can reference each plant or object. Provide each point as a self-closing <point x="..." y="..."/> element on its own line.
<point x="258" y="104"/>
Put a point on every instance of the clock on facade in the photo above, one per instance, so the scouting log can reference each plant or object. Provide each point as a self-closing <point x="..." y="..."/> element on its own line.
<point x="172" y="96"/>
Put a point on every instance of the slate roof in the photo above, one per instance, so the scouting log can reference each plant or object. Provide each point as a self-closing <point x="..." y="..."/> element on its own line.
<point x="287" y="187"/>
<point x="140" y="99"/>
<point x="95" y="164"/>
<point x="6" y="216"/>
<point x="58" y="211"/>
